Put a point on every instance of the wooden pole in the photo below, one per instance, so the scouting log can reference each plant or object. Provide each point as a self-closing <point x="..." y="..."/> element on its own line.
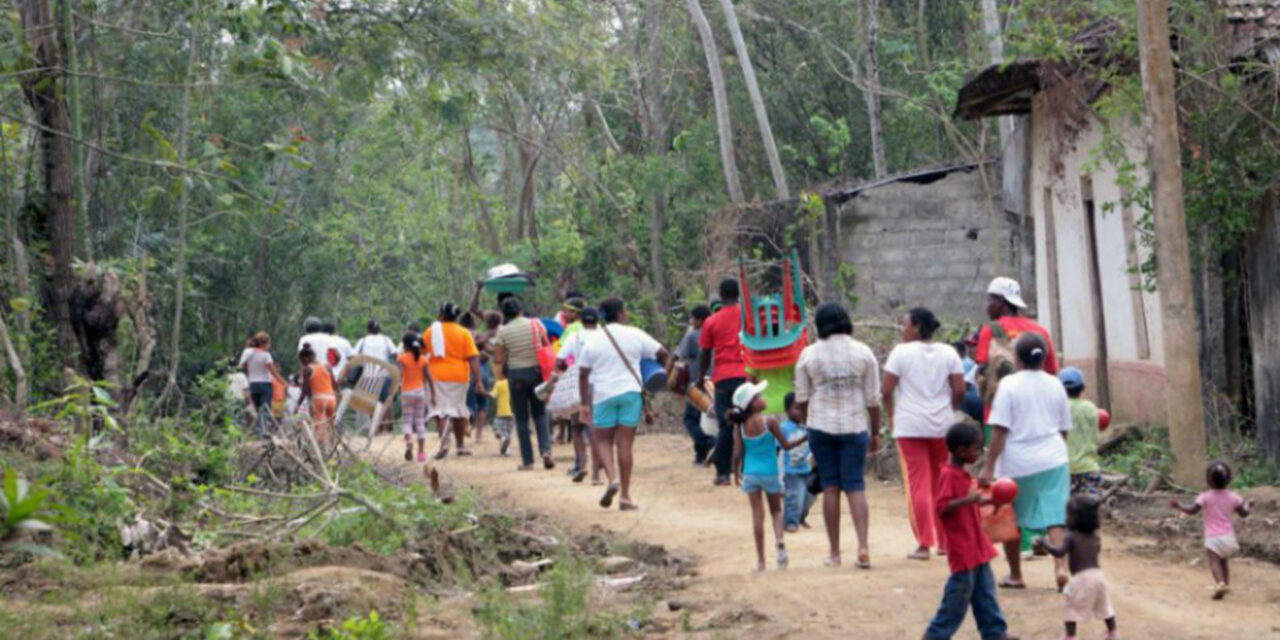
<point x="1177" y="306"/>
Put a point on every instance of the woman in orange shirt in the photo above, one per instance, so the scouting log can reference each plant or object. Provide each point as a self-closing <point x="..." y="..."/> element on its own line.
<point x="415" y="380"/>
<point x="454" y="364"/>
<point x="317" y="387"/>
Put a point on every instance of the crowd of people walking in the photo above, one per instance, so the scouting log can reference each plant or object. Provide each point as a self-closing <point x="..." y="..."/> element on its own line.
<point x="581" y="373"/>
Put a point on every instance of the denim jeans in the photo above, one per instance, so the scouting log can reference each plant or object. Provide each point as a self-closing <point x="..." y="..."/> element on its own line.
<point x="794" y="501"/>
<point x="702" y="443"/>
<point x="976" y="588"/>
<point x="724" y="442"/>
<point x="528" y="408"/>
<point x="261" y="393"/>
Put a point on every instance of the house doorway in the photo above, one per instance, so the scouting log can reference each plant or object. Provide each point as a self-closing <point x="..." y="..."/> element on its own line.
<point x="1102" y="386"/>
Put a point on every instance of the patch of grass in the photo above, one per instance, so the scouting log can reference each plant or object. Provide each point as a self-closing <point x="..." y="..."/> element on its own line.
<point x="563" y="610"/>
<point x="1142" y="459"/>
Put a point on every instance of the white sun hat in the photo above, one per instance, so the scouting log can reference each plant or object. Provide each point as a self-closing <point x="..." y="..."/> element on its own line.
<point x="747" y="392"/>
<point x="1008" y="289"/>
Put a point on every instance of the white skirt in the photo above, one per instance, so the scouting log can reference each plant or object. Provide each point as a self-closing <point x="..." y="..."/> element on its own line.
<point x="450" y="400"/>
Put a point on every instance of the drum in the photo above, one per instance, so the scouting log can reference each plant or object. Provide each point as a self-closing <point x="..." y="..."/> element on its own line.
<point x="699" y="398"/>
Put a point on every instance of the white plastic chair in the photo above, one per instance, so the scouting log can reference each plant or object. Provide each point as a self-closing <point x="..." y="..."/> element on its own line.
<point x="367" y="396"/>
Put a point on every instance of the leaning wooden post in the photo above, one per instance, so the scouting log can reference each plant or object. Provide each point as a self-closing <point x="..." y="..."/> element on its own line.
<point x="1177" y="306"/>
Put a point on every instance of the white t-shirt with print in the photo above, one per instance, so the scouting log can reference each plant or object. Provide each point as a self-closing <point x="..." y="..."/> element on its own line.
<point x="610" y="376"/>
<point x="1033" y="406"/>
<point x="922" y="403"/>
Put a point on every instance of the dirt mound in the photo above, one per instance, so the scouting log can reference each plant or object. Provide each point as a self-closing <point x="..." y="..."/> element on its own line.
<point x="1149" y="516"/>
<point x="39" y="437"/>
<point x="249" y="561"/>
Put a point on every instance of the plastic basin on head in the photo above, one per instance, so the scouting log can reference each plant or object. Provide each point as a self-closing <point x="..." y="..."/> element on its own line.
<point x="508" y="284"/>
<point x="653" y="374"/>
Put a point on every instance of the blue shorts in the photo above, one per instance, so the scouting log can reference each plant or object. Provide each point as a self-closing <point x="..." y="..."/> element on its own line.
<point x="1042" y="498"/>
<point x="841" y="459"/>
<point x="623" y="410"/>
<point x="769" y="484"/>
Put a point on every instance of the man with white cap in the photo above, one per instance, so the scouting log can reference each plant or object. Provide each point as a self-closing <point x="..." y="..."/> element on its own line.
<point x="1004" y="308"/>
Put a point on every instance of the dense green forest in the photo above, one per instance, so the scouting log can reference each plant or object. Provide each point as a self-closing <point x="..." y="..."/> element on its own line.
<point x="237" y="166"/>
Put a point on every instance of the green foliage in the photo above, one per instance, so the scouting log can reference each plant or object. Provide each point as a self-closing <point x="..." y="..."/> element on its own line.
<point x="563" y="610"/>
<point x="90" y="503"/>
<point x="21" y="510"/>
<point x="370" y="627"/>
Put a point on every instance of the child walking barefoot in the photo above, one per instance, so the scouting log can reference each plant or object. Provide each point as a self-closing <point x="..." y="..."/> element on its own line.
<point x="755" y="464"/>
<point x="1086" y="594"/>
<point x="1219" y="504"/>
<point x="969" y="550"/>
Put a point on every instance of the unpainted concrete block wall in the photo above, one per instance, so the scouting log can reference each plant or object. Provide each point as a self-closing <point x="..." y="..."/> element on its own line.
<point x="935" y="245"/>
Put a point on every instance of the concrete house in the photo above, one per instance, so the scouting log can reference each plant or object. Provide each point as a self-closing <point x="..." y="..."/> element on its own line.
<point x="1088" y="243"/>
<point x="933" y="236"/>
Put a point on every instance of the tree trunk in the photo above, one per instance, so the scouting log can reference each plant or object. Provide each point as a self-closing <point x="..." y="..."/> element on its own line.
<point x="184" y="200"/>
<point x="488" y="229"/>
<point x="47" y="98"/>
<point x="871" y="50"/>
<point x="1177" y="306"/>
<point x="723" y="125"/>
<point x="1013" y="129"/>
<point x="757" y="101"/>
<point x="1263" y="266"/>
<point x="658" y="143"/>
<point x="74" y="107"/>
<point x="21" y="391"/>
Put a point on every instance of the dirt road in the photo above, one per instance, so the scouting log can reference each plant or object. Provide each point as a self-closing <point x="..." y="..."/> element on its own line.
<point x="1154" y="598"/>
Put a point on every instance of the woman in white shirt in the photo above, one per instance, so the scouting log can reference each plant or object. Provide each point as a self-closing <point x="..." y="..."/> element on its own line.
<point x="260" y="368"/>
<point x="612" y="397"/>
<point x="837" y="386"/>
<point x="1029" y="422"/>
<point x="923" y="386"/>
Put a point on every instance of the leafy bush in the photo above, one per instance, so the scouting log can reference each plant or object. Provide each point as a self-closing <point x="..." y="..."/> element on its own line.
<point x="563" y="611"/>
<point x="357" y="628"/>
<point x="90" y="502"/>
<point x="21" y="508"/>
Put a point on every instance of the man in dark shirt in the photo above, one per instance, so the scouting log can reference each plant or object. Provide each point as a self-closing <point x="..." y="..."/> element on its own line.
<point x="688" y="353"/>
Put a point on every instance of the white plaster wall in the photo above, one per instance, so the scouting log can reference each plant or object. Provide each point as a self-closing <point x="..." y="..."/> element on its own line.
<point x="1060" y="167"/>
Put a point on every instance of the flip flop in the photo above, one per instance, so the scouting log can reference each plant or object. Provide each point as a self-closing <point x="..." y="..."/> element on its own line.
<point x="1008" y="583"/>
<point x="626" y="505"/>
<point x="606" y="500"/>
<point x="832" y="562"/>
<point x="918" y="554"/>
<point x="864" y="560"/>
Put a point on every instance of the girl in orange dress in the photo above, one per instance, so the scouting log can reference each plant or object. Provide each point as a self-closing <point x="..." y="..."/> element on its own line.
<point x="318" y="388"/>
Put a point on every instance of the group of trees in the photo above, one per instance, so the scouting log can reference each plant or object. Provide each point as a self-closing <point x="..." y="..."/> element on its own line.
<point x="175" y="175"/>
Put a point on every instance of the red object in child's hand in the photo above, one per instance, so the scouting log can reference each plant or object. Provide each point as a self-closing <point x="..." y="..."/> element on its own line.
<point x="1104" y="419"/>
<point x="1004" y="490"/>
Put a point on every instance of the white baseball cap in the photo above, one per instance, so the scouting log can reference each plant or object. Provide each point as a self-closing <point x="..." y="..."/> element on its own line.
<point x="747" y="392"/>
<point x="1008" y="289"/>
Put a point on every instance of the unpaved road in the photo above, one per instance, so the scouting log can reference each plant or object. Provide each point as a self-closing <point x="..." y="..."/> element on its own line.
<point x="1154" y="598"/>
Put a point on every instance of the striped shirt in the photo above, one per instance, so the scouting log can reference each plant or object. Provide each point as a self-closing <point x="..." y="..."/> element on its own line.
<point x="516" y="337"/>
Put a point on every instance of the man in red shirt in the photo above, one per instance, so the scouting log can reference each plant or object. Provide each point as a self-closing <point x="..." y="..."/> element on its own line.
<point x="969" y="551"/>
<point x="721" y="339"/>
<point x="1004" y="304"/>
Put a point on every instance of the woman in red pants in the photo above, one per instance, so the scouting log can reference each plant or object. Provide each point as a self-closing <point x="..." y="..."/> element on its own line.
<point x="923" y="386"/>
